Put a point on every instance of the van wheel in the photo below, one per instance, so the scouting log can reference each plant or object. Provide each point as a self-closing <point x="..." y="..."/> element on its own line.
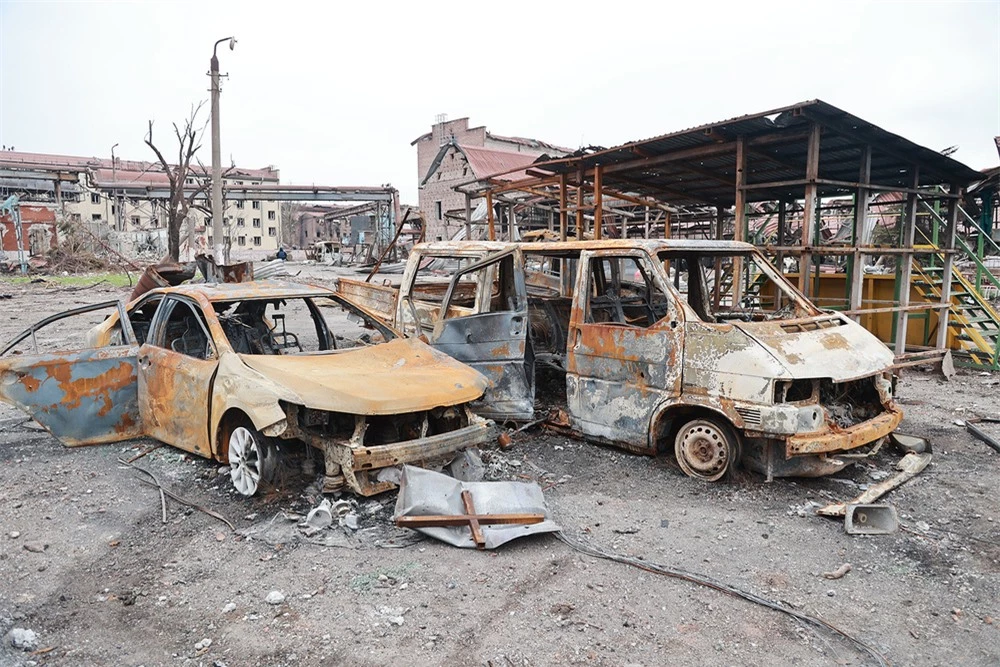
<point x="706" y="449"/>
<point x="253" y="459"/>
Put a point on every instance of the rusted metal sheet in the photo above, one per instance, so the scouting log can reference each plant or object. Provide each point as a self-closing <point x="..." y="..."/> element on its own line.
<point x="240" y="272"/>
<point x="379" y="299"/>
<point x="82" y="398"/>
<point x="162" y="275"/>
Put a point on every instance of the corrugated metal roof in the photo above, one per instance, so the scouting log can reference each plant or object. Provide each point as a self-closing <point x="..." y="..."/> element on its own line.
<point x="708" y="176"/>
<point x="487" y="161"/>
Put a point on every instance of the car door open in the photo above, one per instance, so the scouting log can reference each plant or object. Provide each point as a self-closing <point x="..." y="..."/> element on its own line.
<point x="176" y="368"/>
<point x="491" y="335"/>
<point x="83" y="395"/>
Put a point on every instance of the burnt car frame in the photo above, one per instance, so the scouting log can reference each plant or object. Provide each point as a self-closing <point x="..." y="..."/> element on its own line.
<point x="215" y="370"/>
<point x="660" y="348"/>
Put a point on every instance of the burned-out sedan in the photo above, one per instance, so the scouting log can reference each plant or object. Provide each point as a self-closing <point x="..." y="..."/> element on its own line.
<point x="233" y="372"/>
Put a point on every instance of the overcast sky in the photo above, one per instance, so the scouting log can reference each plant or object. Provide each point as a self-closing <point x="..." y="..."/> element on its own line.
<point x="334" y="92"/>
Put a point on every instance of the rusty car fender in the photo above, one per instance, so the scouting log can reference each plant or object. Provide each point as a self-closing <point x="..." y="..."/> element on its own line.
<point x="236" y="386"/>
<point x="720" y="407"/>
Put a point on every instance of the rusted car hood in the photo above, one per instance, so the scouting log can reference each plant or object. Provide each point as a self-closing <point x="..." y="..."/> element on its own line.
<point x="843" y="352"/>
<point x="403" y="375"/>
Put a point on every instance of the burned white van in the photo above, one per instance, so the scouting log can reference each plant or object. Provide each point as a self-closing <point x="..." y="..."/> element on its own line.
<point x="701" y="347"/>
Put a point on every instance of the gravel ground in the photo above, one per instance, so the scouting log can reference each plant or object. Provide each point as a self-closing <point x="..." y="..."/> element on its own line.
<point x="89" y="566"/>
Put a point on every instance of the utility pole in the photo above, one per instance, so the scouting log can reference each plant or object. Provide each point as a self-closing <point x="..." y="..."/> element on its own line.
<point x="114" y="181"/>
<point x="218" y="212"/>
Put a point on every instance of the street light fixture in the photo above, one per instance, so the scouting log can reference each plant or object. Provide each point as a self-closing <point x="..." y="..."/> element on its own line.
<point x="218" y="214"/>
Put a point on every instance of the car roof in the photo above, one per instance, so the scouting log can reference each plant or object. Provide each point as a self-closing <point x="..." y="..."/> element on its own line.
<point x="258" y="289"/>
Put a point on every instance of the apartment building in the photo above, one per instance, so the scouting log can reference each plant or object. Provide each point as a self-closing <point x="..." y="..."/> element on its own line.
<point x="109" y="193"/>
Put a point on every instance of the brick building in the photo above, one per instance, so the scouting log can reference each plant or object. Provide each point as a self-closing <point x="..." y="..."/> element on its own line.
<point x="453" y="153"/>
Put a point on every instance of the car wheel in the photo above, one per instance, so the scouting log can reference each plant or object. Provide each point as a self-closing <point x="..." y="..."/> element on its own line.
<point x="252" y="459"/>
<point x="706" y="449"/>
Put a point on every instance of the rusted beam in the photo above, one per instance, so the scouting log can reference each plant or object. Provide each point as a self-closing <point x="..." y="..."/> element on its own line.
<point x="809" y="207"/>
<point x="598" y="204"/>
<point x="860" y="215"/>
<point x="562" y="207"/>
<point x="948" y="245"/>
<point x="906" y="261"/>
<point x="740" y="212"/>
<point x="579" y="208"/>
<point x="489" y="216"/>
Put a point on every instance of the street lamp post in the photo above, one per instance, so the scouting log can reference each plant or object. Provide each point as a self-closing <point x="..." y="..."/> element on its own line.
<point x="218" y="213"/>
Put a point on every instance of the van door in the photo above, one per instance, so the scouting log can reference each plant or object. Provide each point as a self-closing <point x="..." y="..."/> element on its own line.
<point x="625" y="347"/>
<point x="491" y="333"/>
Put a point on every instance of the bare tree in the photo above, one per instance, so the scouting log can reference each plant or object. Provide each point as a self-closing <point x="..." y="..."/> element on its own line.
<point x="182" y="198"/>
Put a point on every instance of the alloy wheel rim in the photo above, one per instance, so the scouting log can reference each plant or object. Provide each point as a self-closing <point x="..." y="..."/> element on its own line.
<point x="244" y="461"/>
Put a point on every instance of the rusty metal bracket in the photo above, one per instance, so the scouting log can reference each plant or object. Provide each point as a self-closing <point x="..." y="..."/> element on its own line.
<point x="473" y="520"/>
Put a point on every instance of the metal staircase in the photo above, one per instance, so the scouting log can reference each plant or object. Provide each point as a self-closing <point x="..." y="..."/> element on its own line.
<point x="973" y="320"/>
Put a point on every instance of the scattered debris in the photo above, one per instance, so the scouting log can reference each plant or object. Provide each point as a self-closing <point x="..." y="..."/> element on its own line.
<point x="838" y="573"/>
<point x="35" y="547"/>
<point x="319" y="517"/>
<point x="23" y="639"/>
<point x="870" y="520"/>
<point x="909" y="467"/>
<point x="467" y="466"/>
<point x="470" y="514"/>
<point x="275" y="598"/>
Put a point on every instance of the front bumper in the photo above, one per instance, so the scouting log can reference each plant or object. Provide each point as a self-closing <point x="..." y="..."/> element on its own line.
<point x="359" y="465"/>
<point x="423" y="449"/>
<point x="839" y="440"/>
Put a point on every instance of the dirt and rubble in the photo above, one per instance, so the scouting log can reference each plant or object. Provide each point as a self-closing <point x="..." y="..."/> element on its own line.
<point x="92" y="574"/>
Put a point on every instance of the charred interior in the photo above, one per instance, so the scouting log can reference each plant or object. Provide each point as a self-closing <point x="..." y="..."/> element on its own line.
<point x="850" y="403"/>
<point x="374" y="430"/>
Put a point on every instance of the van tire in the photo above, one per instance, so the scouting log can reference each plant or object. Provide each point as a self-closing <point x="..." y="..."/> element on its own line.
<point x="707" y="448"/>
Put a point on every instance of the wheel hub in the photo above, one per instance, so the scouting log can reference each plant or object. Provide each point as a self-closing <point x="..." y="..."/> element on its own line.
<point x="705" y="449"/>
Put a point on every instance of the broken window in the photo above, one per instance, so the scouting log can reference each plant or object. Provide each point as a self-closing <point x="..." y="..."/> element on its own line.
<point x="483" y="288"/>
<point x="256" y="222"/>
<point x="430" y="284"/>
<point x="270" y="215"/>
<point x="241" y="222"/>
<point x="272" y="231"/>
<point x="722" y="286"/>
<point x="67" y="331"/>
<point x="256" y="240"/>
<point x="95" y="197"/>
<point x="255" y="204"/>
<point x="295" y="325"/>
<point x="184" y="331"/>
<point x="623" y="291"/>
<point x="240" y="204"/>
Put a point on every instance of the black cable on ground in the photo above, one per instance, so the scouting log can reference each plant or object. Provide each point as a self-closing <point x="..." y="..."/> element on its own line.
<point x="703" y="580"/>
